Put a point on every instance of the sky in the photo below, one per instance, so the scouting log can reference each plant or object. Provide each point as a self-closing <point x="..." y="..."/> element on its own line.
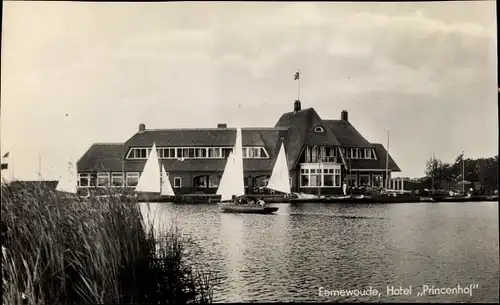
<point x="76" y="73"/>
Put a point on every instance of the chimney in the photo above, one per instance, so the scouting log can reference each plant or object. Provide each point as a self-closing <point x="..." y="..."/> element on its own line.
<point x="343" y="115"/>
<point x="222" y="125"/>
<point x="296" y="106"/>
<point x="142" y="128"/>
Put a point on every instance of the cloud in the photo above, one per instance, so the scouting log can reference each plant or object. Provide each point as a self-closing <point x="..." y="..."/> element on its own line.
<point x="406" y="67"/>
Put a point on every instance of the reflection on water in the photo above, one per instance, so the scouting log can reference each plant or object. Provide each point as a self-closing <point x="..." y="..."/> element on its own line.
<point x="289" y="255"/>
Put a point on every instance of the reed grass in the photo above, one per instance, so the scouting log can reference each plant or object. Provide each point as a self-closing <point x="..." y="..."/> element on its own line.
<point x="58" y="250"/>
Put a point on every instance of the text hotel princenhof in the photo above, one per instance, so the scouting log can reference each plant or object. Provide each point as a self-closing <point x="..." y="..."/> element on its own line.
<point x="390" y="290"/>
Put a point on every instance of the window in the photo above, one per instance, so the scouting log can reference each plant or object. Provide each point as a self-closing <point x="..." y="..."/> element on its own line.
<point x="328" y="178"/>
<point x="159" y="152"/>
<point x="318" y="129"/>
<point x="377" y="180"/>
<point x="132" y="178"/>
<point x="201" y="182"/>
<point x="362" y="153"/>
<point x="169" y="153"/>
<point x="364" y="180"/>
<point x="252" y="152"/>
<point x="355" y="153"/>
<point x="226" y="152"/>
<point x="324" y="177"/>
<point x="117" y="179"/>
<point x="83" y="180"/>
<point x="290" y="179"/>
<point x="93" y="179"/>
<point x="368" y="153"/>
<point x="177" y="182"/>
<point x="336" y="173"/>
<point x="102" y="179"/>
<point x="200" y="153"/>
<point x="138" y="153"/>
<point x="348" y="153"/>
<point x="213" y="181"/>
<point x="304" y="177"/>
<point x="214" y="152"/>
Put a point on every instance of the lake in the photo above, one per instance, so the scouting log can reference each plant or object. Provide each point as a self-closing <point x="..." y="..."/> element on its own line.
<point x="290" y="255"/>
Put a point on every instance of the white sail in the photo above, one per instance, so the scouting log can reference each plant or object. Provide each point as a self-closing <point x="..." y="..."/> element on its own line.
<point x="68" y="182"/>
<point x="166" y="187"/>
<point x="280" y="177"/>
<point x="150" y="179"/>
<point x="239" y="184"/>
<point x="224" y="189"/>
<point x="232" y="179"/>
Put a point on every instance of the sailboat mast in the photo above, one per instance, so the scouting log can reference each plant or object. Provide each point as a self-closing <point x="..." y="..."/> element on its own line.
<point x="387" y="163"/>
<point x="433" y="168"/>
<point x="39" y="167"/>
<point x="463" y="172"/>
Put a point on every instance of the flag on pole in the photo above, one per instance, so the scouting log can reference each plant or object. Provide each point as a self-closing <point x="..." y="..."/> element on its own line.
<point x="5" y="164"/>
<point x="296" y="77"/>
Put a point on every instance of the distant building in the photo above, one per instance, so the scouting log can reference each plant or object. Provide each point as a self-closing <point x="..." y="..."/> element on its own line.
<point x="321" y="154"/>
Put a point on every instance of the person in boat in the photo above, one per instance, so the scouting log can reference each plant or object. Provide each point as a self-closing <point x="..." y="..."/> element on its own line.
<point x="261" y="202"/>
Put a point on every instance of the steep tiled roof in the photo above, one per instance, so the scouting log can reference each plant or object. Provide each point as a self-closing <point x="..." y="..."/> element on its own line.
<point x="301" y="125"/>
<point x="195" y="137"/>
<point x="109" y="156"/>
<point x="102" y="156"/>
<point x="378" y="164"/>
<point x="346" y="134"/>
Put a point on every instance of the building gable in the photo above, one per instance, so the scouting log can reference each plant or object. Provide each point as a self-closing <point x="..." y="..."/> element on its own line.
<point x="301" y="126"/>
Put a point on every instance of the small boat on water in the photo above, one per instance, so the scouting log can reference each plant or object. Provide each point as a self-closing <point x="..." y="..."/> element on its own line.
<point x="232" y="189"/>
<point x="67" y="184"/>
<point x="153" y="184"/>
<point x="247" y="209"/>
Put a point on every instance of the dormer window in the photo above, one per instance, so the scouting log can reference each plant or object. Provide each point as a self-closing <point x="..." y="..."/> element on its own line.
<point x="319" y="129"/>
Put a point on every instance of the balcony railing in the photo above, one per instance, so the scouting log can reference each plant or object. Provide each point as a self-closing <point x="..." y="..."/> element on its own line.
<point x="329" y="159"/>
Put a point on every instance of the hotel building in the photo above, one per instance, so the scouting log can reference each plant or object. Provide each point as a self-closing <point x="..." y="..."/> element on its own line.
<point x="321" y="155"/>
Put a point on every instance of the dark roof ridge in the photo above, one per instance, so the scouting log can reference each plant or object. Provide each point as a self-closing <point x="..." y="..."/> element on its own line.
<point x="215" y="128"/>
<point x="108" y="143"/>
<point x="301" y="110"/>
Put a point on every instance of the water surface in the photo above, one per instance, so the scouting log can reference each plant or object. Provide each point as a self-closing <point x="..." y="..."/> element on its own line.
<point x="288" y="256"/>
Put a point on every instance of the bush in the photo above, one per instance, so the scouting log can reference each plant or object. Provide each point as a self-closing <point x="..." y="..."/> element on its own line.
<point x="63" y="250"/>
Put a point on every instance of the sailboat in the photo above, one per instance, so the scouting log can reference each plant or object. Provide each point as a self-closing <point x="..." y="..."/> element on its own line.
<point x="280" y="177"/>
<point x="166" y="187"/>
<point x="152" y="183"/>
<point x="232" y="184"/>
<point x="67" y="184"/>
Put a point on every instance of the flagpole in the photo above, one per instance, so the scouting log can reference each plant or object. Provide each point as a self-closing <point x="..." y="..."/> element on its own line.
<point x="433" y="168"/>
<point x="387" y="163"/>
<point x="298" y="85"/>
<point x="463" y="172"/>
<point x="39" y="167"/>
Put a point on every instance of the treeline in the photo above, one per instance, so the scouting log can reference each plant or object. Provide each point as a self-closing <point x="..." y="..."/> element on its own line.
<point x="482" y="171"/>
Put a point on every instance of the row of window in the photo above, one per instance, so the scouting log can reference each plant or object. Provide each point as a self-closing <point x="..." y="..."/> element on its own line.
<point x="320" y="177"/>
<point x="104" y="179"/>
<point x="308" y="178"/>
<point x="364" y="180"/>
<point x="359" y="153"/>
<point x="196" y="152"/>
<point x="317" y="154"/>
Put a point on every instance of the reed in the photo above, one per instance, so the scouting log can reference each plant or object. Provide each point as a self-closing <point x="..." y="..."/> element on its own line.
<point x="58" y="250"/>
